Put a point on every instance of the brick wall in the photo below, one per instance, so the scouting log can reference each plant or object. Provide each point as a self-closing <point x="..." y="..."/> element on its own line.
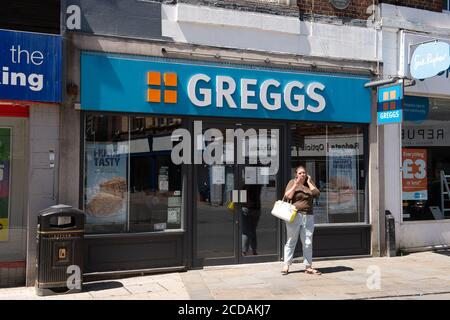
<point x="357" y="8"/>
<point x="262" y="6"/>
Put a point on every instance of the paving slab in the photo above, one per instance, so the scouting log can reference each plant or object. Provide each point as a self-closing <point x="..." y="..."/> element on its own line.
<point x="415" y="276"/>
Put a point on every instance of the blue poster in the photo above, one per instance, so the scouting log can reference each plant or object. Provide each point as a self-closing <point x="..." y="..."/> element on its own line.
<point x="106" y="182"/>
<point x="416" y="108"/>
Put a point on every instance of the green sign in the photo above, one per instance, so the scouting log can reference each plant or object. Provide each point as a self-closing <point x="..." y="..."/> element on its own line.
<point x="5" y="157"/>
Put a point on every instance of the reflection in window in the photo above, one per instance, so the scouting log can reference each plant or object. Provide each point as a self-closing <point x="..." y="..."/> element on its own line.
<point x="333" y="156"/>
<point x="155" y="182"/>
<point x="130" y="182"/>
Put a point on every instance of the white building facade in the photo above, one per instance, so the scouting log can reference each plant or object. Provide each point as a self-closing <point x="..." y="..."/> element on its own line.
<point x="256" y="67"/>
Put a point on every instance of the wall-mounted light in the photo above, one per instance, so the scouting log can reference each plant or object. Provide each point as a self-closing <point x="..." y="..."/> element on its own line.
<point x="409" y="82"/>
<point x="51" y="158"/>
<point x="72" y="90"/>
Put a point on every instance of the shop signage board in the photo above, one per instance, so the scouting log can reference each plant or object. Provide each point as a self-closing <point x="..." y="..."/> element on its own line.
<point x="5" y="166"/>
<point x="437" y="85"/>
<point x="414" y="174"/>
<point x="429" y="59"/>
<point x="30" y="66"/>
<point x="159" y="86"/>
<point x="390" y="104"/>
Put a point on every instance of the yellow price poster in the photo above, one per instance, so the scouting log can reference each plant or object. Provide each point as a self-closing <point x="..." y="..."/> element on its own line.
<point x="5" y="156"/>
<point x="4" y="229"/>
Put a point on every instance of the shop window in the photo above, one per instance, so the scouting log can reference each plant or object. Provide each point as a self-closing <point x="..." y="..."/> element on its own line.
<point x="333" y="156"/>
<point x="13" y="185"/>
<point x="155" y="182"/>
<point x="426" y="159"/>
<point x="445" y="4"/>
<point x="130" y="182"/>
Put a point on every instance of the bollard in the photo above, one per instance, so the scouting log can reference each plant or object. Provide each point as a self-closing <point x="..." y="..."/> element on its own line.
<point x="390" y="235"/>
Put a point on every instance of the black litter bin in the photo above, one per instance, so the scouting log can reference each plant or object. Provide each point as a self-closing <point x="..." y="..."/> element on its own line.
<point x="59" y="257"/>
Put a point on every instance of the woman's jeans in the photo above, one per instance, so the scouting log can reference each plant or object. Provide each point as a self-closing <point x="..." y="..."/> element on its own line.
<point x="303" y="224"/>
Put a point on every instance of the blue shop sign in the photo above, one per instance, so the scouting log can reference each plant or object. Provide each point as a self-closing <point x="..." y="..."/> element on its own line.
<point x="30" y="66"/>
<point x="390" y="104"/>
<point x="429" y="59"/>
<point x="151" y="85"/>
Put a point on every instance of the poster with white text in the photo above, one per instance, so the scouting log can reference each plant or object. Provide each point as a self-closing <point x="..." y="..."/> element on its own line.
<point x="414" y="174"/>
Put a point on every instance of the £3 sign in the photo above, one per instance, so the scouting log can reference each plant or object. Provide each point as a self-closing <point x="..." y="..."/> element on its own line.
<point x="414" y="174"/>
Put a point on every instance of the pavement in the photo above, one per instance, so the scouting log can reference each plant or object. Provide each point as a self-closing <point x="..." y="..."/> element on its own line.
<point x="424" y="275"/>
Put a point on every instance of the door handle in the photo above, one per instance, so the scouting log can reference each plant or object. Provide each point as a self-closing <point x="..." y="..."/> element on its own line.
<point x="239" y="196"/>
<point x="235" y="196"/>
<point x="243" y="196"/>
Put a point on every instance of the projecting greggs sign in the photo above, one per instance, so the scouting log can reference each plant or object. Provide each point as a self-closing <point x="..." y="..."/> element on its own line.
<point x="125" y="84"/>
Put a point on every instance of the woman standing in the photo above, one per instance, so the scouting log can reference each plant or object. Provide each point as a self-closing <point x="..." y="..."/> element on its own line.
<point x="301" y="191"/>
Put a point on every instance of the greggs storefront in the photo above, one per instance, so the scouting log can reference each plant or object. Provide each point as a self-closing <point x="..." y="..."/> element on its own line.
<point x="182" y="161"/>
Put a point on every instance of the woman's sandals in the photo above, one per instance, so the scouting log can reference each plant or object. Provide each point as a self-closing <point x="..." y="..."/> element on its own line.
<point x="313" y="271"/>
<point x="285" y="270"/>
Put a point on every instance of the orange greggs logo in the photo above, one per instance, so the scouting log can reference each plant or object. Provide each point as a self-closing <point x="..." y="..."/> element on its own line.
<point x="169" y="90"/>
<point x="389" y="95"/>
<point x="202" y="89"/>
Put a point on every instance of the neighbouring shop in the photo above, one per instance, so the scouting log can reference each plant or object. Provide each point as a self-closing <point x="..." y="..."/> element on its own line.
<point x="417" y="194"/>
<point x="426" y="162"/>
<point x="425" y="131"/>
<point x="30" y="76"/>
<point x="183" y="160"/>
